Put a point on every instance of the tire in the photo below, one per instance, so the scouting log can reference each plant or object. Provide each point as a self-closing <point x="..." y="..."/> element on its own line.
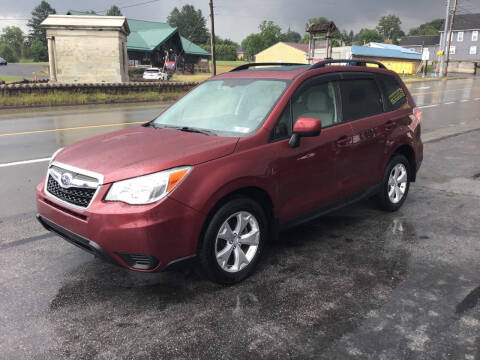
<point x="393" y="200"/>
<point x="225" y="241"/>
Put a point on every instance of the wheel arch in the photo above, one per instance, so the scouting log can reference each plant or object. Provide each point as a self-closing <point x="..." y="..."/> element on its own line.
<point x="259" y="195"/>
<point x="409" y="153"/>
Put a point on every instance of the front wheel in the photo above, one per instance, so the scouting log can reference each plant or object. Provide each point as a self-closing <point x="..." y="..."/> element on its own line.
<point x="233" y="241"/>
<point x="395" y="184"/>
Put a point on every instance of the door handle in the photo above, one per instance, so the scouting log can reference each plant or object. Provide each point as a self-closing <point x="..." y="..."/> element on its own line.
<point x="344" y="141"/>
<point x="389" y="125"/>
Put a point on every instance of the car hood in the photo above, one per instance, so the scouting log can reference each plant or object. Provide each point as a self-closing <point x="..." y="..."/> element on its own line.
<point x="143" y="150"/>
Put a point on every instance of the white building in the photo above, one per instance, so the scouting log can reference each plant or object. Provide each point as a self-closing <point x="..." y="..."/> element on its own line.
<point x="87" y="49"/>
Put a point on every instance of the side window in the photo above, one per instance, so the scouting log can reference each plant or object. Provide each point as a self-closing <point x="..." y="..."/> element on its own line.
<point x="393" y="93"/>
<point x="317" y="101"/>
<point x="360" y="99"/>
<point x="283" y="129"/>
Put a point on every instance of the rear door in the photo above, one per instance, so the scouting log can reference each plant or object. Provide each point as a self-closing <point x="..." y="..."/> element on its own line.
<point x="398" y="111"/>
<point x="362" y="108"/>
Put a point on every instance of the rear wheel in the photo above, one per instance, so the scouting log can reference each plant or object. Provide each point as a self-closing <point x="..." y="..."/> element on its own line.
<point x="233" y="241"/>
<point x="395" y="184"/>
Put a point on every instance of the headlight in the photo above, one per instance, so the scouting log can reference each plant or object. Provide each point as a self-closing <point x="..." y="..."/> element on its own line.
<point x="147" y="189"/>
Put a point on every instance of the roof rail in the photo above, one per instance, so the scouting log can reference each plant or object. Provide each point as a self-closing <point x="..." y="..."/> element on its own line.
<point x="249" y="65"/>
<point x="350" y="62"/>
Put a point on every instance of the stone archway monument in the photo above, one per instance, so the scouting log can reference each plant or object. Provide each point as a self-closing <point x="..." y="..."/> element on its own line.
<point x="320" y="31"/>
<point x="87" y="49"/>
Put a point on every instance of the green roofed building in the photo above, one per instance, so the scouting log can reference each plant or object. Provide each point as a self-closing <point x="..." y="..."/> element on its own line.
<point x="153" y="43"/>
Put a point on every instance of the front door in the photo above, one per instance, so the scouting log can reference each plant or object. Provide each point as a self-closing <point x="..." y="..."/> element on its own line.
<point x="306" y="176"/>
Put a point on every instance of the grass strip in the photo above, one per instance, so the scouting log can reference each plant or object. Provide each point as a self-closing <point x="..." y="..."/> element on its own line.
<point x="9" y="79"/>
<point x="68" y="98"/>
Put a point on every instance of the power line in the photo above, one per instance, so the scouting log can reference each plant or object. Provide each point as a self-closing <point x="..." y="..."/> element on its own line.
<point x="129" y="6"/>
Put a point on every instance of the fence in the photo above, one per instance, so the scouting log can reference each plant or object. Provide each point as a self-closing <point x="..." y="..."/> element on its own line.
<point x="107" y="88"/>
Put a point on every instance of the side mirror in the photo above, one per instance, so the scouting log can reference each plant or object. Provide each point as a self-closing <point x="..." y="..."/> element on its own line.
<point x="304" y="127"/>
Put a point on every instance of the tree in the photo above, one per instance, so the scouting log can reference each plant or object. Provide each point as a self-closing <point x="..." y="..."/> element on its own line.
<point x="223" y="51"/>
<point x="370" y="35"/>
<point x="114" y="11"/>
<point x="13" y="36"/>
<point x="39" y="51"/>
<point x="430" y="28"/>
<point x="389" y="27"/>
<point x="319" y="19"/>
<point x="305" y="39"/>
<point x="220" y="41"/>
<point x="252" y="45"/>
<point x="7" y="52"/>
<point x="291" y="36"/>
<point x="190" y="23"/>
<point x="346" y="38"/>
<point x="270" y="33"/>
<point x="39" y="14"/>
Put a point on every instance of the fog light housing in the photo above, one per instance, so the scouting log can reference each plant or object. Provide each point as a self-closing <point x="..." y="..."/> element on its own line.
<point x="139" y="261"/>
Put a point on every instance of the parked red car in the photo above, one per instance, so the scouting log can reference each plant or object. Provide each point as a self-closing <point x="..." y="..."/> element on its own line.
<point x="240" y="157"/>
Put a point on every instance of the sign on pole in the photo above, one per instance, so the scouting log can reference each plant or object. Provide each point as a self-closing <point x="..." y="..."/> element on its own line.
<point x="425" y="54"/>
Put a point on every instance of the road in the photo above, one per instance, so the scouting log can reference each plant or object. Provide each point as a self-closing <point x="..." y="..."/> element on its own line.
<point x="23" y="71"/>
<point x="356" y="284"/>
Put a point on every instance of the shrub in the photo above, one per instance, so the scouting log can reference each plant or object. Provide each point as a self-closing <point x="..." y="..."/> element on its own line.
<point x="137" y="71"/>
<point x="224" y="52"/>
<point x="39" y="51"/>
<point x="8" y="53"/>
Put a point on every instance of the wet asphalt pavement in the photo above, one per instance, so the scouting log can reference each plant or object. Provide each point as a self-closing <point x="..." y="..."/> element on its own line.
<point x="24" y="71"/>
<point x="356" y="284"/>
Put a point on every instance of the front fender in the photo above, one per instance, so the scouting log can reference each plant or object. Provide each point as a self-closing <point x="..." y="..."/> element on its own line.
<point x="209" y="182"/>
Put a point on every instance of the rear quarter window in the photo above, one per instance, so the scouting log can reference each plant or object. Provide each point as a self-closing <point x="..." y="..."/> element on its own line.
<point x="394" y="95"/>
<point x="360" y="99"/>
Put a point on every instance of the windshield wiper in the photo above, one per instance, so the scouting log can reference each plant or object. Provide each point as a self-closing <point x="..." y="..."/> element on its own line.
<point x="180" y="128"/>
<point x="150" y="124"/>
<point x="195" y="130"/>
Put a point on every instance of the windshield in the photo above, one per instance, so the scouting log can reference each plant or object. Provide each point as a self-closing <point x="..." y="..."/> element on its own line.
<point x="154" y="71"/>
<point x="228" y="107"/>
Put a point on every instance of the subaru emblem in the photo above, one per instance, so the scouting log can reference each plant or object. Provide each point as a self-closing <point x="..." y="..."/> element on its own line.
<point x="66" y="179"/>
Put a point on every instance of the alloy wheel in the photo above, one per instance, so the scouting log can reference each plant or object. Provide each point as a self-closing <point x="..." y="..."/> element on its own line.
<point x="397" y="183"/>
<point x="237" y="241"/>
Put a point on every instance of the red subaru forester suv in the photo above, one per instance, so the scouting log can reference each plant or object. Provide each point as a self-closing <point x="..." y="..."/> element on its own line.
<point x="240" y="157"/>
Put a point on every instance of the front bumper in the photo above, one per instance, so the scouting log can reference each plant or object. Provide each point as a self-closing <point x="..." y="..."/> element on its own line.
<point x="75" y="239"/>
<point x="141" y="238"/>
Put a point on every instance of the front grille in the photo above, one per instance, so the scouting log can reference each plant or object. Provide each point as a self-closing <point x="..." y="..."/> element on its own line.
<point x="76" y="196"/>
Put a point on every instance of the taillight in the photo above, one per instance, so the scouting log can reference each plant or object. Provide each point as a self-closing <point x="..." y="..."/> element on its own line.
<point x="418" y="114"/>
<point x="415" y="118"/>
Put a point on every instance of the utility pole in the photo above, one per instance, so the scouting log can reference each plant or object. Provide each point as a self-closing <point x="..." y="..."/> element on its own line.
<point x="444" y="41"/>
<point x="450" y="34"/>
<point x="212" y="40"/>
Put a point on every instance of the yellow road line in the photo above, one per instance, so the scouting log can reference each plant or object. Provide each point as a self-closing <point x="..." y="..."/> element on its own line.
<point x="70" y="128"/>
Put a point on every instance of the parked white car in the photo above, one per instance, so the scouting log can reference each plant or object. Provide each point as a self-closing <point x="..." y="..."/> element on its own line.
<point x="154" y="74"/>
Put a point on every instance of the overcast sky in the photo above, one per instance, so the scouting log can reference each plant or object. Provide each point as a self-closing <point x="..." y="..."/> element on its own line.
<point x="236" y="19"/>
